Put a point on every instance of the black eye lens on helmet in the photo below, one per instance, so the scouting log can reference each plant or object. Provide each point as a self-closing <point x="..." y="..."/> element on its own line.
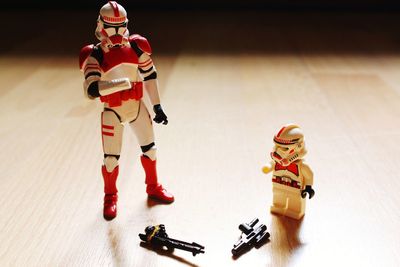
<point x="106" y="25"/>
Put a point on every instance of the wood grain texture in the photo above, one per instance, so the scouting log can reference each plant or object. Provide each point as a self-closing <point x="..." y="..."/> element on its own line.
<point x="225" y="95"/>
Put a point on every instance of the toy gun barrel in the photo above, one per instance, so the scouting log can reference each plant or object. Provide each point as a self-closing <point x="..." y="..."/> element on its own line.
<point x="157" y="236"/>
<point x="240" y="247"/>
<point x="191" y="247"/>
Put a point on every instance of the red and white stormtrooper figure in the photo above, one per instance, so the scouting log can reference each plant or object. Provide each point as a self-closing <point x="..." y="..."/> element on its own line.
<point x="117" y="70"/>
<point x="292" y="179"/>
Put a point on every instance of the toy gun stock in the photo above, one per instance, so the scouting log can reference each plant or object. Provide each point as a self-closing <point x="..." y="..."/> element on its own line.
<point x="157" y="236"/>
<point x="252" y="237"/>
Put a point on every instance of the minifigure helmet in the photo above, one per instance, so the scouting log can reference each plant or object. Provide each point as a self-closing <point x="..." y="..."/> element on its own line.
<point x="289" y="145"/>
<point x="112" y="25"/>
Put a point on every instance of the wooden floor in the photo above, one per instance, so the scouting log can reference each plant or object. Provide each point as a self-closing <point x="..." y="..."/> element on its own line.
<point x="228" y="82"/>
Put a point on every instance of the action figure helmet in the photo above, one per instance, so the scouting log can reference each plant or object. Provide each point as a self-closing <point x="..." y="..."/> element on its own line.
<point x="289" y="145"/>
<point x="112" y="25"/>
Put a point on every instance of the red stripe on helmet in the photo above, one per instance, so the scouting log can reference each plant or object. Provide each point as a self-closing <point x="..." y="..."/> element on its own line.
<point x="113" y="20"/>
<point x="114" y="6"/>
<point x="279" y="133"/>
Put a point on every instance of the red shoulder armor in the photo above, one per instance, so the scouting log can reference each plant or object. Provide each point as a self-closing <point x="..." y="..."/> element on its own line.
<point x="84" y="54"/>
<point x="141" y="42"/>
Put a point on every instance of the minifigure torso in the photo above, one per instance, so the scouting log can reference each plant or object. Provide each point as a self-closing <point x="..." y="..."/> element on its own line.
<point x="288" y="175"/>
<point x="295" y="175"/>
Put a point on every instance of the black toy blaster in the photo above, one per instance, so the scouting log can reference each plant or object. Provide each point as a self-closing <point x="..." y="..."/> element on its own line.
<point x="251" y="236"/>
<point x="157" y="236"/>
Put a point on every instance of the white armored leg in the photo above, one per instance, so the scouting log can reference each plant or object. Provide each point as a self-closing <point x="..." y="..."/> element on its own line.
<point x="111" y="131"/>
<point x="143" y="129"/>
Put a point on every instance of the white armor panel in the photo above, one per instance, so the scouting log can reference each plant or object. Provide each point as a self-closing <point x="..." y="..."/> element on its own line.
<point x="123" y="70"/>
<point x="128" y="111"/>
<point x="112" y="130"/>
<point x="142" y="126"/>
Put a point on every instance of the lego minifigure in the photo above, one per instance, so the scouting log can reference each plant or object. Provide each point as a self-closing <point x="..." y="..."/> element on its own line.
<point x="292" y="179"/>
<point x="116" y="70"/>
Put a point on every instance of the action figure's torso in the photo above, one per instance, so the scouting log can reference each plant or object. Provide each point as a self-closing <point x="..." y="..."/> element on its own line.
<point x="119" y="62"/>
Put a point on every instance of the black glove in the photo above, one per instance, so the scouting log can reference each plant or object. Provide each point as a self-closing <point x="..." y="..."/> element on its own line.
<point x="160" y="115"/>
<point x="308" y="190"/>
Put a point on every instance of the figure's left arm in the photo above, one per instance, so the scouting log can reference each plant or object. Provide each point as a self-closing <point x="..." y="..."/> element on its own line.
<point x="308" y="177"/>
<point x="149" y="75"/>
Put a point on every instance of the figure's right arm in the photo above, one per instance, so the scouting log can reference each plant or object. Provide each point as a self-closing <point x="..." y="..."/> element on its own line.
<point x="90" y="60"/>
<point x="90" y="66"/>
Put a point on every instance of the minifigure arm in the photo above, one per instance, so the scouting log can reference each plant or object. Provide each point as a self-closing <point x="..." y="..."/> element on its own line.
<point x="308" y="177"/>
<point x="268" y="167"/>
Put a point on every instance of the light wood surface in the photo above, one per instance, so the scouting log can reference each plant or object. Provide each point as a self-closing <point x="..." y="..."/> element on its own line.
<point x="228" y="83"/>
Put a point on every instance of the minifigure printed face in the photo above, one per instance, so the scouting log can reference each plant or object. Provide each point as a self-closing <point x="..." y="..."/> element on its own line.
<point x="284" y="151"/>
<point x="286" y="154"/>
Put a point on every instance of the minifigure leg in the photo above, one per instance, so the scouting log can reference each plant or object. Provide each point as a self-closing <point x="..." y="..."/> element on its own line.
<point x="279" y="200"/>
<point x="296" y="205"/>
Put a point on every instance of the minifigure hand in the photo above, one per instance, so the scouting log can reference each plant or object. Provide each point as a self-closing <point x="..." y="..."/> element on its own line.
<point x="160" y="115"/>
<point x="308" y="190"/>
<point x="266" y="169"/>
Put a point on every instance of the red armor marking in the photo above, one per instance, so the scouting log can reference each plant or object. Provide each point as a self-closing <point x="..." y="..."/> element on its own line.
<point x="110" y="127"/>
<point x="110" y="179"/>
<point x="114" y="20"/>
<point x="114" y="7"/>
<point x="91" y="68"/>
<point x="116" y="39"/>
<point x="141" y="42"/>
<point x="118" y="55"/>
<point x="104" y="33"/>
<point x="145" y="65"/>
<point x="279" y="133"/>
<point x="84" y="54"/>
<point x="282" y="141"/>
<point x="108" y="134"/>
<point x="293" y="168"/>
<point x="90" y="64"/>
<point x="102" y="137"/>
<point x="115" y="99"/>
<point x="279" y="180"/>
